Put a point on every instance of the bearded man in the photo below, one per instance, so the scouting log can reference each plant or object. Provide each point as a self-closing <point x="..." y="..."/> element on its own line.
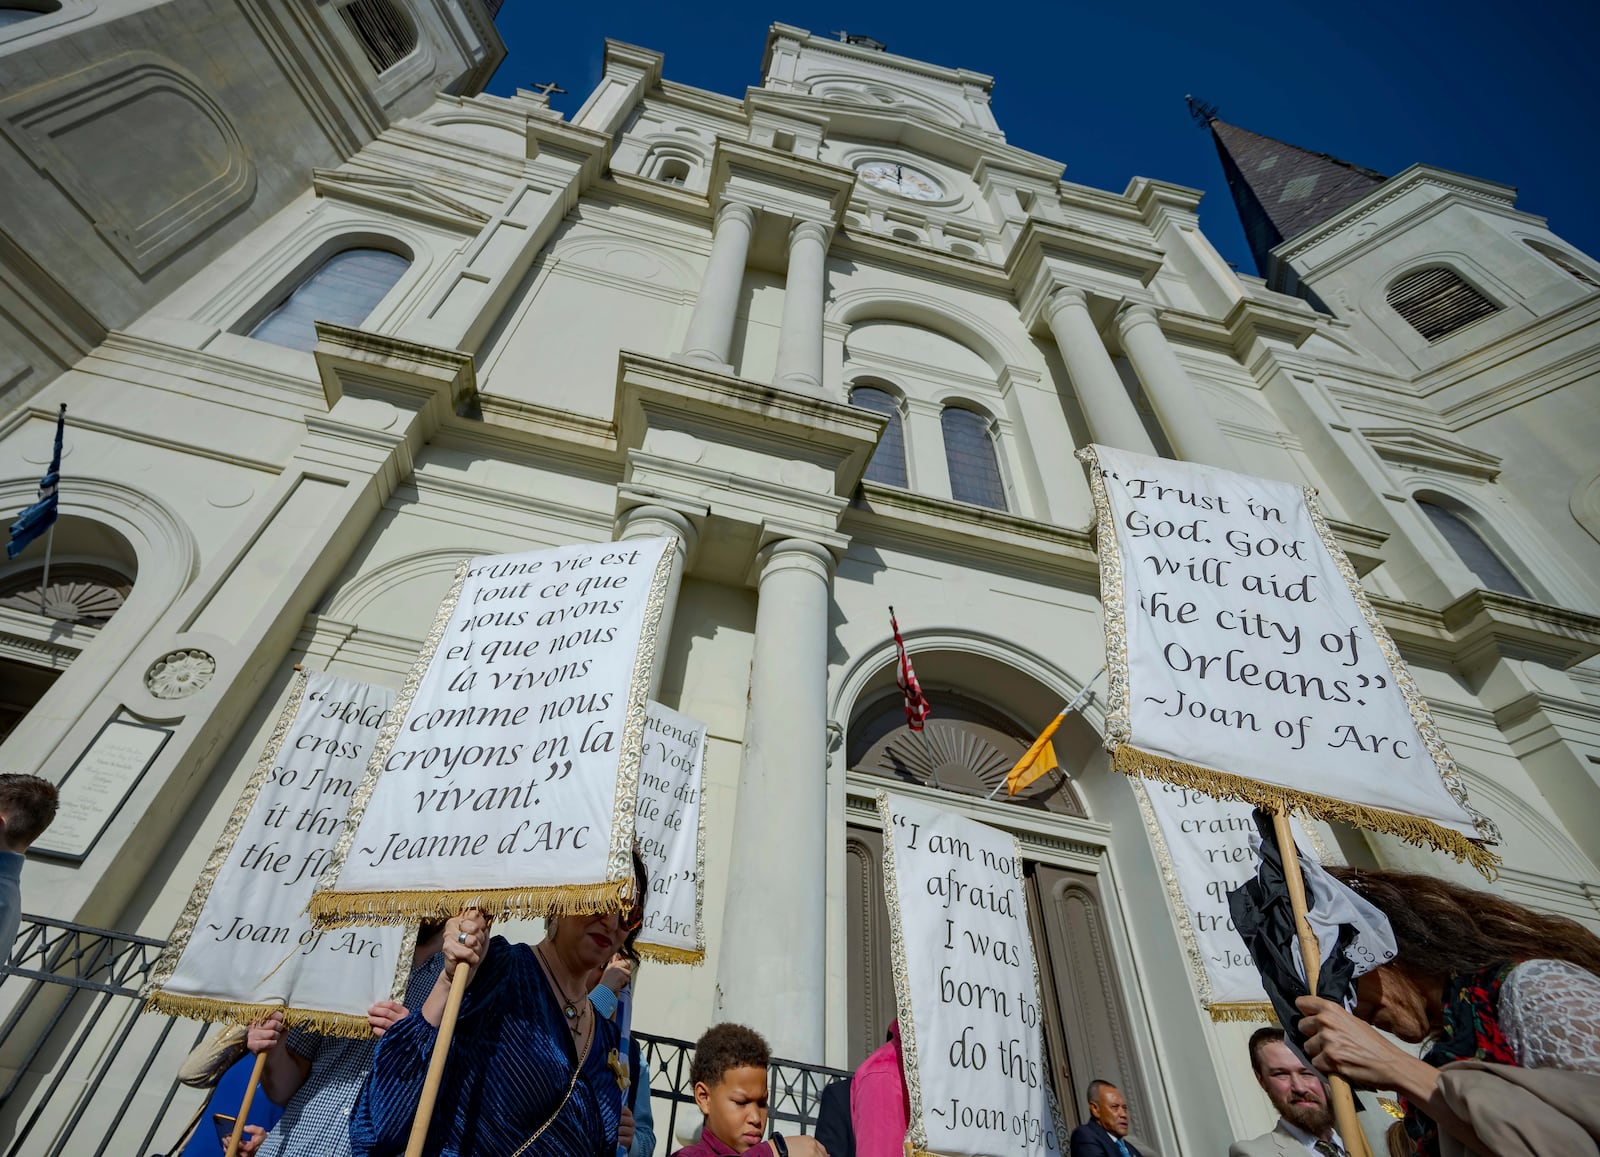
<point x="1305" y="1122"/>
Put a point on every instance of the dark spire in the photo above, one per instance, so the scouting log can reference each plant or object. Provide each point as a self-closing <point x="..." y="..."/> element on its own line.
<point x="1281" y="190"/>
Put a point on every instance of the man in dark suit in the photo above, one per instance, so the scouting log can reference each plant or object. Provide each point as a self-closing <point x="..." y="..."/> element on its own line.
<point x="1102" y="1135"/>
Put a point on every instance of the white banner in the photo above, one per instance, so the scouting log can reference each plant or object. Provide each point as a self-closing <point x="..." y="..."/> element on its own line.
<point x="966" y="983"/>
<point x="1203" y="848"/>
<point x="671" y="833"/>
<point x="1245" y="659"/>
<point x="507" y="778"/>
<point x="244" y="945"/>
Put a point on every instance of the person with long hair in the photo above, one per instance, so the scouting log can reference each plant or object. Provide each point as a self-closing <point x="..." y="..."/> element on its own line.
<point x="1485" y="982"/>
<point x="533" y="1069"/>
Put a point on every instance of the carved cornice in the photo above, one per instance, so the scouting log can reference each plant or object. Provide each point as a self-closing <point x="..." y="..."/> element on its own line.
<point x="1048" y="256"/>
<point x="1409" y="446"/>
<point x="814" y="428"/>
<point x="887" y="513"/>
<point x="1483" y="626"/>
<point x="1453" y="184"/>
<point x="771" y="179"/>
<point x="1068" y="837"/>
<point x="356" y="363"/>
<point x="404" y="198"/>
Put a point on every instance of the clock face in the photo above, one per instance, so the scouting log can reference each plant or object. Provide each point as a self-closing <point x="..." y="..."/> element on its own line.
<point x="901" y="180"/>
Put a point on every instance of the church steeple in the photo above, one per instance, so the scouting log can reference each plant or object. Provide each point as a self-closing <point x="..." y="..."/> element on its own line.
<point x="1281" y="190"/>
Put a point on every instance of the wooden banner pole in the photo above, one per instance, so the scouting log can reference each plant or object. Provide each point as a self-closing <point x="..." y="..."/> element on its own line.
<point x="244" y="1105"/>
<point x="1339" y="1094"/>
<point x="441" y="1051"/>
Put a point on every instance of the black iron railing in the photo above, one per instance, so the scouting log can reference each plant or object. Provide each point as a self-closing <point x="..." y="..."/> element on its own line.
<point x="83" y="1073"/>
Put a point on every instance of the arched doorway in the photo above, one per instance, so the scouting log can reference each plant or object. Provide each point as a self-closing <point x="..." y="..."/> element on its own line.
<point x="965" y="750"/>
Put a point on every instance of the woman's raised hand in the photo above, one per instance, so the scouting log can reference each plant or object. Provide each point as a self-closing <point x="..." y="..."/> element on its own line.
<point x="265" y="1034"/>
<point x="385" y="1015"/>
<point x="466" y="941"/>
<point x="617" y="974"/>
<point x="802" y="1146"/>
<point x="1338" y="1042"/>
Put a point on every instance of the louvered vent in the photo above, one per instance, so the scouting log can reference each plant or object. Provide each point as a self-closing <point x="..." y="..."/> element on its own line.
<point x="1436" y="303"/>
<point x="1558" y="259"/>
<point x="385" y="35"/>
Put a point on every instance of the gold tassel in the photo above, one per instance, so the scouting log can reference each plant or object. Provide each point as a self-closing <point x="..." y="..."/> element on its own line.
<point x="342" y="1024"/>
<point x="1256" y="1013"/>
<point x="666" y="954"/>
<point x="1129" y="760"/>
<point x="344" y="909"/>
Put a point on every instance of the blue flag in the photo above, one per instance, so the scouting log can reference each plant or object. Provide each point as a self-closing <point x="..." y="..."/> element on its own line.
<point x="34" y="520"/>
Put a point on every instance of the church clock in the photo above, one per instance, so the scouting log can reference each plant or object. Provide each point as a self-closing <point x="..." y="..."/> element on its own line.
<point x="900" y="180"/>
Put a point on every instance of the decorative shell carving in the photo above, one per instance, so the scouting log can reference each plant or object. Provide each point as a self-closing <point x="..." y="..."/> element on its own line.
<point x="179" y="674"/>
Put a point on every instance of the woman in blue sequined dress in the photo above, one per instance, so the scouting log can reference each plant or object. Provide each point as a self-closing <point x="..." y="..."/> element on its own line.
<point x="526" y="1027"/>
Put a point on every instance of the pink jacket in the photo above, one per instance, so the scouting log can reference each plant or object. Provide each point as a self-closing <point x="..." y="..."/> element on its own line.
<point x="880" y="1111"/>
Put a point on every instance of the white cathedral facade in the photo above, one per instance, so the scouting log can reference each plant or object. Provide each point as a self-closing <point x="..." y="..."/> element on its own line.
<point x="328" y="321"/>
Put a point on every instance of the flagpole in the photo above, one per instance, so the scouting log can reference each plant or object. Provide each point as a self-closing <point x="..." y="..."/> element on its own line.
<point x="44" y="584"/>
<point x="1339" y="1094"/>
<point x="1077" y="700"/>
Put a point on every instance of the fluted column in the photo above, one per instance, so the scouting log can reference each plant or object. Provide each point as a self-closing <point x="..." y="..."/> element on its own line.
<point x="1189" y="426"/>
<point x="772" y="966"/>
<point x="661" y="522"/>
<point x="805" y="287"/>
<point x="1113" y="419"/>
<point x="710" y="337"/>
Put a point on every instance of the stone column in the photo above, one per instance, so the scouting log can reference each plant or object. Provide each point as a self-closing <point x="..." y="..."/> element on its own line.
<point x="772" y="969"/>
<point x="661" y="522"/>
<point x="805" y="286"/>
<point x="1189" y="426"/>
<point x="1112" y="417"/>
<point x="710" y="337"/>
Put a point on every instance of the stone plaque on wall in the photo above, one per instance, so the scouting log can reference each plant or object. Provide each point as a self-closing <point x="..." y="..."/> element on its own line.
<point x="94" y="790"/>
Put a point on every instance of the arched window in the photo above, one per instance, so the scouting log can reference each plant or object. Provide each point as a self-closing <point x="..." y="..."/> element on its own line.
<point x="16" y="13"/>
<point x="1435" y="302"/>
<point x="1470" y="548"/>
<point x="888" y="463"/>
<point x="1563" y="262"/>
<point x="385" y="33"/>
<point x="910" y="235"/>
<point x="673" y="171"/>
<point x="344" y="289"/>
<point x="970" y="455"/>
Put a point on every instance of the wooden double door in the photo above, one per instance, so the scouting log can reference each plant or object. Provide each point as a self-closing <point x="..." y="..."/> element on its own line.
<point x="1087" y="1030"/>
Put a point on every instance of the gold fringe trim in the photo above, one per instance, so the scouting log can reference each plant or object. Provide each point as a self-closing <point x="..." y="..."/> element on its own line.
<point x="910" y="1067"/>
<point x="1130" y="760"/>
<point x="1259" y="1013"/>
<point x="178" y="943"/>
<point x="341" y="1024"/>
<point x="667" y="954"/>
<point x="346" y="909"/>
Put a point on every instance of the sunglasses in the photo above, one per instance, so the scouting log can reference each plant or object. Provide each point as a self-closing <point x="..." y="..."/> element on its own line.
<point x="633" y="919"/>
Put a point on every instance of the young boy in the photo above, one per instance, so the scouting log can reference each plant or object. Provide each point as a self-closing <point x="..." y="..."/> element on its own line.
<point x="730" y="1086"/>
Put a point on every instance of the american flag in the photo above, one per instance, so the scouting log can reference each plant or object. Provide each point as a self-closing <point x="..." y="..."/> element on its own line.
<point x="917" y="707"/>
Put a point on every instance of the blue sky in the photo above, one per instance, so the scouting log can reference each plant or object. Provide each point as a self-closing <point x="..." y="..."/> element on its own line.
<point x="1500" y="91"/>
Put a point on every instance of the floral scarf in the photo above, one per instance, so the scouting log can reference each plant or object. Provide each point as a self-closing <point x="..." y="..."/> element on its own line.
<point x="1471" y="1032"/>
